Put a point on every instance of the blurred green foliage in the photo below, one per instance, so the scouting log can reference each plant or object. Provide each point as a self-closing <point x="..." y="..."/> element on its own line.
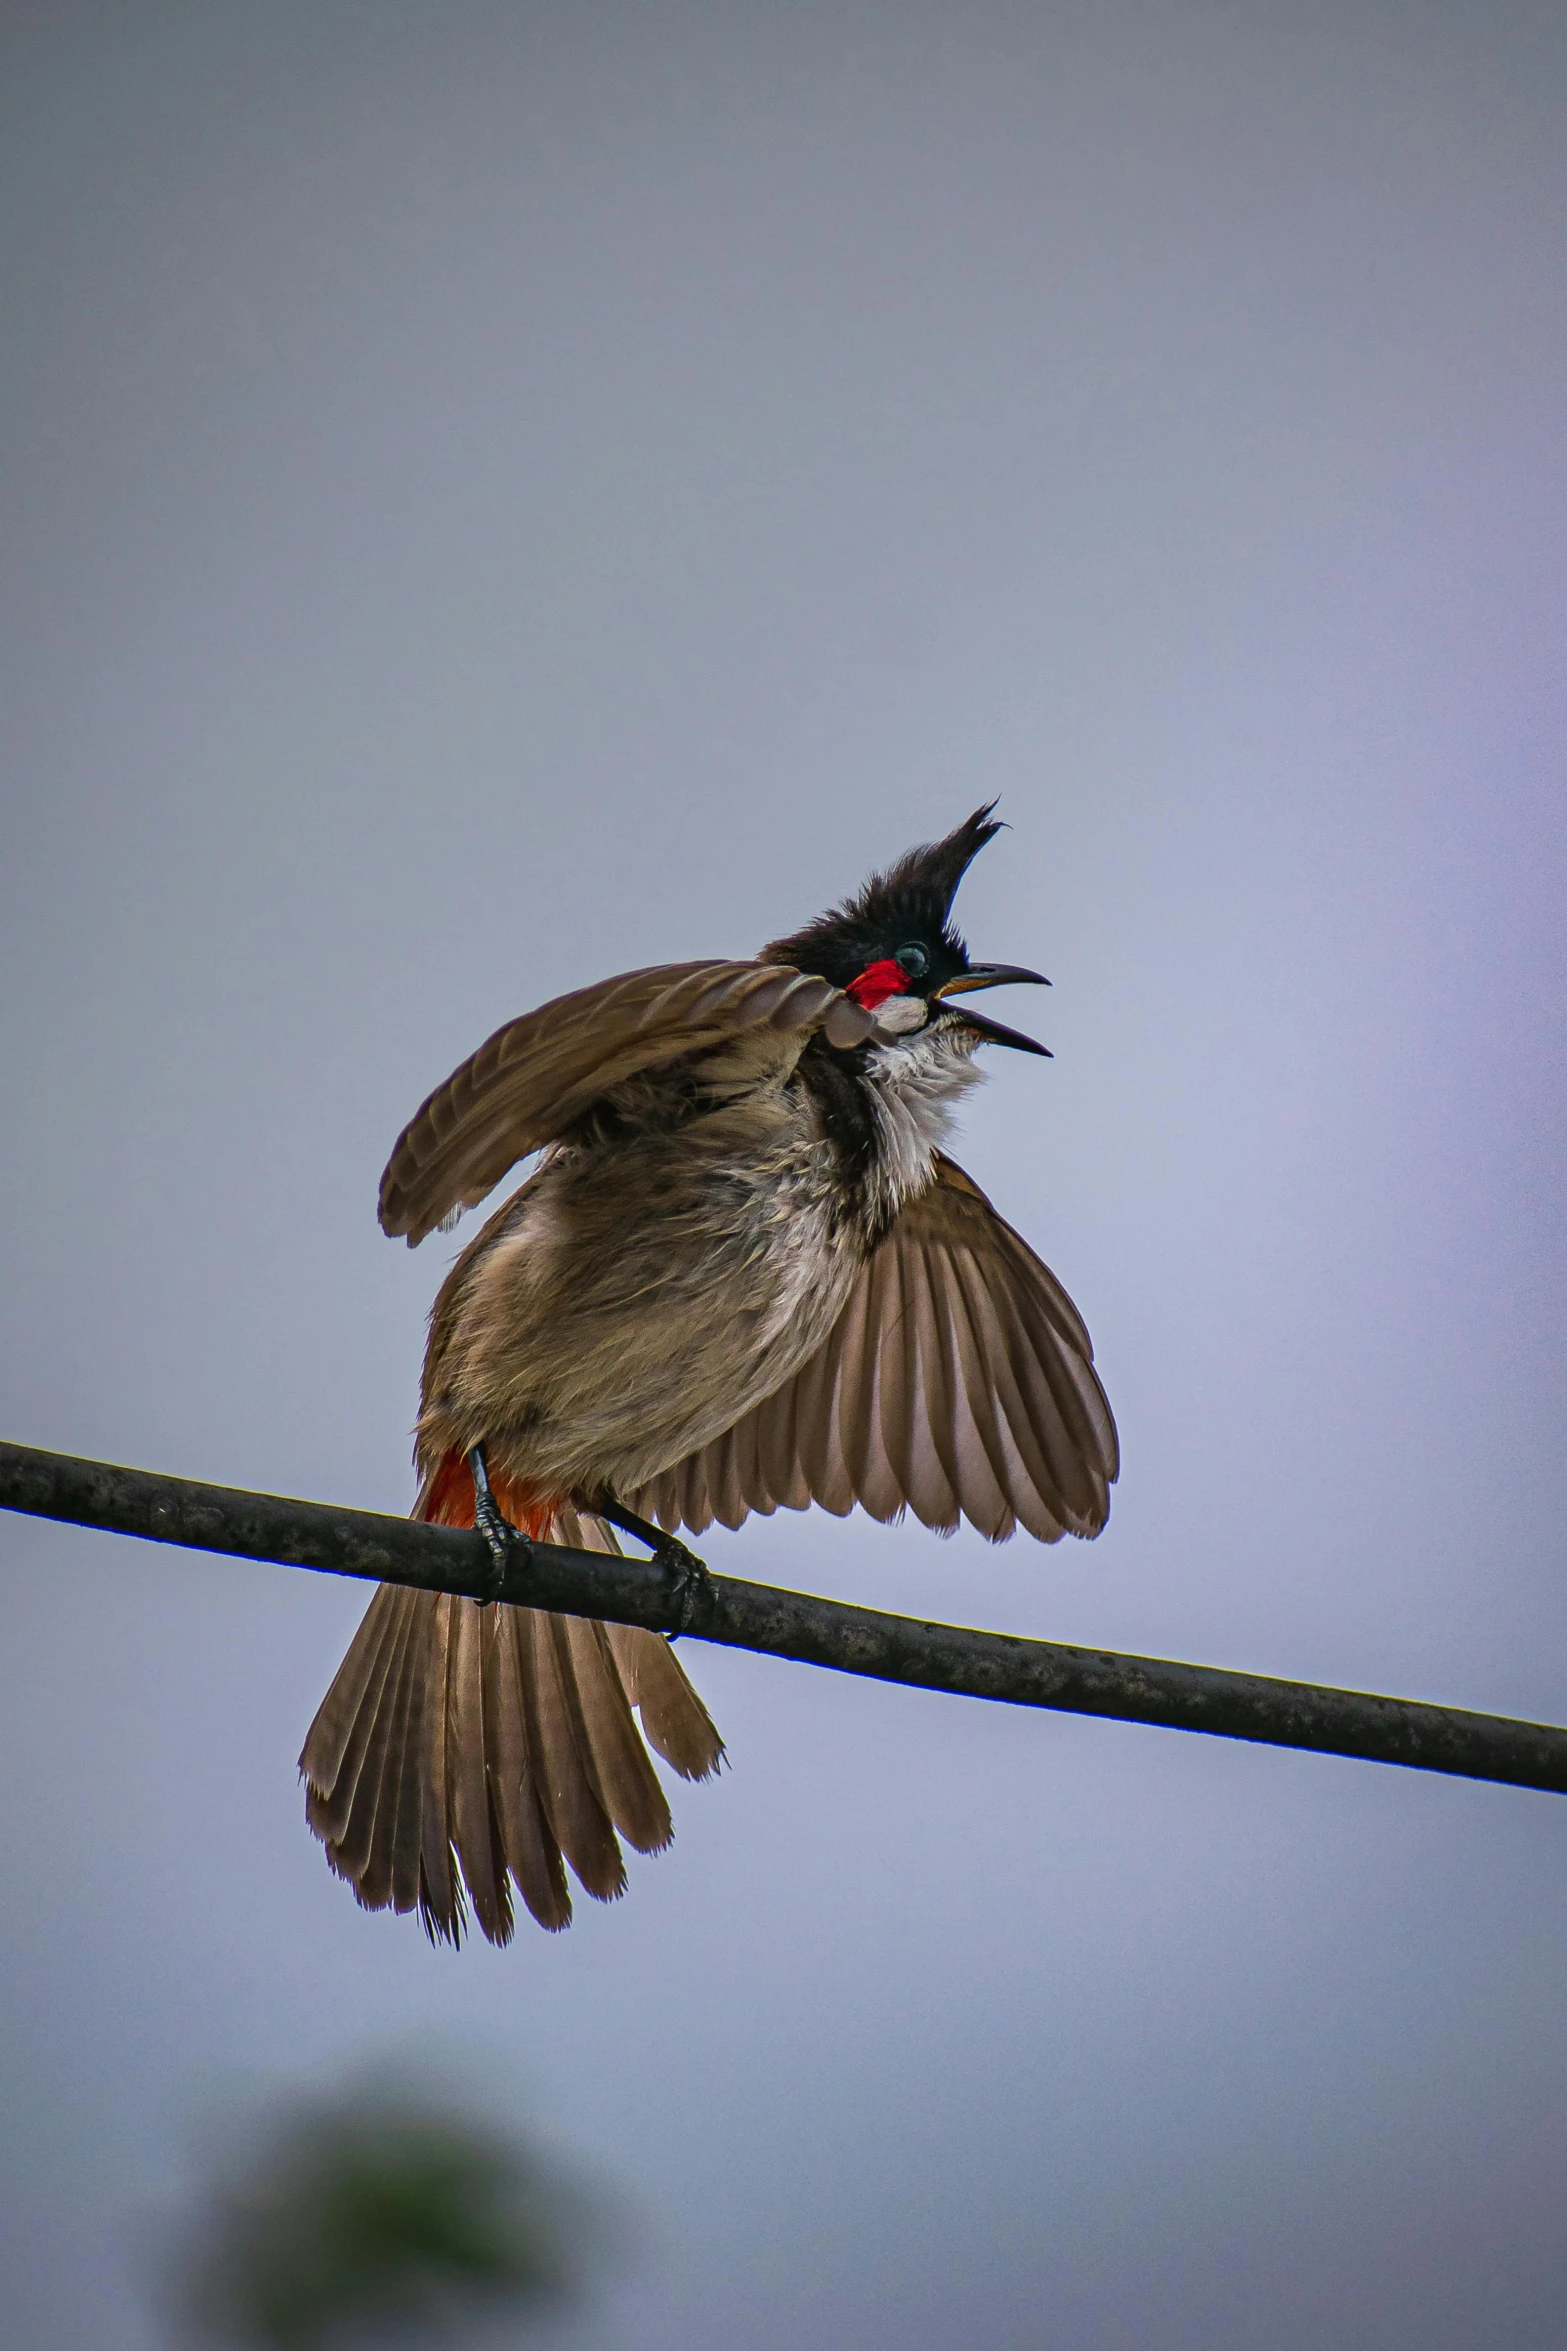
<point x="377" y="2215"/>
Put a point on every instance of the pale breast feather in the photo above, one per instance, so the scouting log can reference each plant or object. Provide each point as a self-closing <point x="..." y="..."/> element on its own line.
<point x="915" y="1085"/>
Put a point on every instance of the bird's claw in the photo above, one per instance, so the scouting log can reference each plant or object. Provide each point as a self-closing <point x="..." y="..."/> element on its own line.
<point x="500" y="1536"/>
<point x="503" y="1541"/>
<point x="687" y="1575"/>
<point x="689" y="1581"/>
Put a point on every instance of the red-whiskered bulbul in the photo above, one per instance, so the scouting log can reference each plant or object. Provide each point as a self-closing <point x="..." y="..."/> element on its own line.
<point x="742" y="1274"/>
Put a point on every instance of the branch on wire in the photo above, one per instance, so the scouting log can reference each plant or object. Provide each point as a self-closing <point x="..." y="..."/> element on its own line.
<point x="787" y="1624"/>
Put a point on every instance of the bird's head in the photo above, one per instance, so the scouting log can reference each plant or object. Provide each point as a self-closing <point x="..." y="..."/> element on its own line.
<point x="893" y="947"/>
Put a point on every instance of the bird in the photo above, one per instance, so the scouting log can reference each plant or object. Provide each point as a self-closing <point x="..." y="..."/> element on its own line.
<point x="742" y="1274"/>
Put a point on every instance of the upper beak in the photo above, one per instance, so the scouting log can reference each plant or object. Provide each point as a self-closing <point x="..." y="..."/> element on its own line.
<point x="990" y="975"/>
<point x="995" y="975"/>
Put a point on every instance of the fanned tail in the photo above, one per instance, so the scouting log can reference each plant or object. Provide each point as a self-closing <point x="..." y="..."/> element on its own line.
<point x="462" y="1750"/>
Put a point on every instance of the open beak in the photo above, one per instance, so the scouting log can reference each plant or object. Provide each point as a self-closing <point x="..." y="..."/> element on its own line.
<point x="994" y="975"/>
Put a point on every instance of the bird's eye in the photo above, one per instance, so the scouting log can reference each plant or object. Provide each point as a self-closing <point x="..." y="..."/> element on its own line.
<point x="912" y="961"/>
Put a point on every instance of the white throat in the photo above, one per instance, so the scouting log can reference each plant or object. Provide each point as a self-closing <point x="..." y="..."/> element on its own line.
<point x="917" y="1081"/>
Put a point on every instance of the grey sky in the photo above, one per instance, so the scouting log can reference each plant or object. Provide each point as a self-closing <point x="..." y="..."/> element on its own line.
<point x="490" y="496"/>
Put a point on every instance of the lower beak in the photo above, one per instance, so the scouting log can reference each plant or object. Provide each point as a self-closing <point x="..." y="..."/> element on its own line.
<point x="994" y="975"/>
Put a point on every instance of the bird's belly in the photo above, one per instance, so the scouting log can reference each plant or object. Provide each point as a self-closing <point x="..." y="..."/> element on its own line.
<point x="634" y="1302"/>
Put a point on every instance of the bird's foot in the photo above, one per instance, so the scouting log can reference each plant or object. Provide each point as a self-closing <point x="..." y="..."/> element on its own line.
<point x="689" y="1581"/>
<point x="688" y="1575"/>
<point x="504" y="1541"/>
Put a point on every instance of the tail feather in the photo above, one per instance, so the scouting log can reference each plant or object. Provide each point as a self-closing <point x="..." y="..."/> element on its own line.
<point x="675" y="1723"/>
<point x="573" y="1803"/>
<point x="437" y="1885"/>
<point x="373" y="1749"/>
<point x="463" y="1750"/>
<point x="532" y="1855"/>
<point x="342" y="1726"/>
<point x="629" y="1787"/>
<point x="378" y="1833"/>
<point x="475" y="1832"/>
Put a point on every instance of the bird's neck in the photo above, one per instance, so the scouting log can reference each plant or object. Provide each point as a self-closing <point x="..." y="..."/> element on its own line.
<point x="886" y="1110"/>
<point x="913" y="1085"/>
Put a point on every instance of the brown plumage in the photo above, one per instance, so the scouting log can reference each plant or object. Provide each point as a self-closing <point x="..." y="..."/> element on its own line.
<point x="741" y="1277"/>
<point x="531" y="1082"/>
<point x="957" y="1382"/>
<point x="504" y="1736"/>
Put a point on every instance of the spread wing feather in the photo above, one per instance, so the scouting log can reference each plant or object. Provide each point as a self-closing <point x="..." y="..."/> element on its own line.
<point x="958" y="1382"/>
<point x="535" y="1078"/>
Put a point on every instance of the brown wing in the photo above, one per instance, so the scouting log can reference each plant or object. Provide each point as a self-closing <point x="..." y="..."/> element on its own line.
<point x="958" y="1382"/>
<point x="537" y="1076"/>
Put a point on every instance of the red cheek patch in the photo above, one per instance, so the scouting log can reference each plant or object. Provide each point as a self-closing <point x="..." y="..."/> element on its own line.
<point x="877" y="982"/>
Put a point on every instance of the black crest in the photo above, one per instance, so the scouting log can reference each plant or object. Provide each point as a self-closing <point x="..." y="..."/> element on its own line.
<point x="911" y="900"/>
